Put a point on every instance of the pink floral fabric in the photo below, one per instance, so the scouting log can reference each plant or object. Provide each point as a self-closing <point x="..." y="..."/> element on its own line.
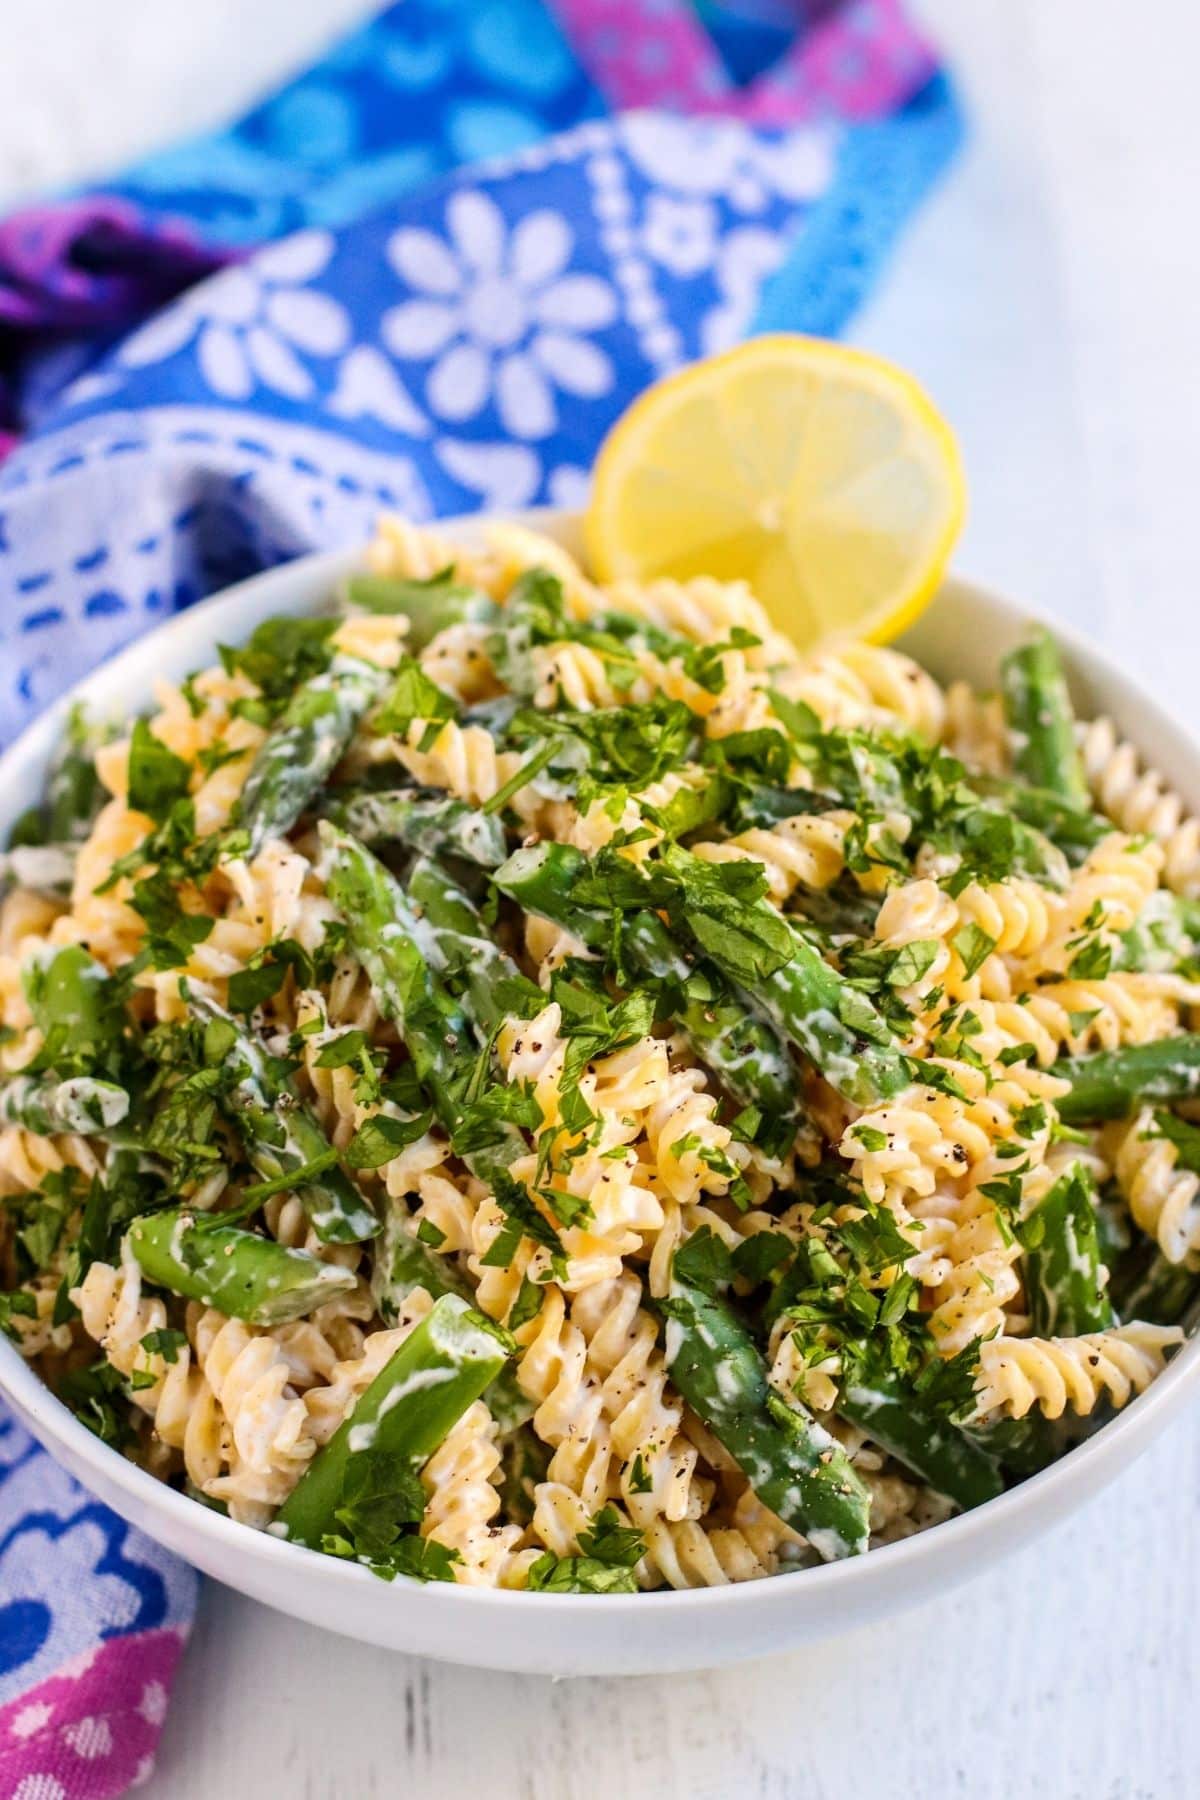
<point x="857" y="62"/>
<point x="89" y="1732"/>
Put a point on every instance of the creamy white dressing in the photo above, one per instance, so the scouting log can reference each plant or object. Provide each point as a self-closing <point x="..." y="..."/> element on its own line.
<point x="868" y="1400"/>
<point x="45" y="866"/>
<point x="829" y="1545"/>
<point x="414" y="1384"/>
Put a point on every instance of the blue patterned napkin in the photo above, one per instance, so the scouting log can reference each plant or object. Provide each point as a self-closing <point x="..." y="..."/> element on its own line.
<point x="465" y="347"/>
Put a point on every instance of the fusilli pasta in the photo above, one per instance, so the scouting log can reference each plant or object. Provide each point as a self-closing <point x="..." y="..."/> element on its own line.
<point x="673" y="1085"/>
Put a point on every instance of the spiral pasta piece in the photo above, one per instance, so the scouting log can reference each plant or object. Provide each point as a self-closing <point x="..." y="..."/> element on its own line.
<point x="1053" y="1374"/>
<point x="929" y="1136"/>
<point x="515" y="549"/>
<point x="1163" y="1198"/>
<point x="204" y="721"/>
<point x="806" y="851"/>
<point x="1138" y="800"/>
<point x="621" y="1191"/>
<point x="1016" y="914"/>
<point x="26" y="1159"/>
<point x="603" y="1403"/>
<point x="271" y="1440"/>
<point x="371" y="637"/>
<point x="870" y="686"/>
<point x="177" y="1396"/>
<point x="457" y="660"/>
<point x="974" y="729"/>
<point x="693" y="1153"/>
<point x="687" y="1554"/>
<point x="982" y="1281"/>
<point x="576" y="675"/>
<point x="110" y="928"/>
<point x="462" y="759"/>
<point x="1105" y="895"/>
<point x="461" y="1502"/>
<point x="1074" y="1017"/>
<point x="704" y="610"/>
<point x="413" y="552"/>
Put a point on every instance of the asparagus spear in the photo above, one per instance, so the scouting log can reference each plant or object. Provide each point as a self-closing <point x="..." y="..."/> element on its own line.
<point x="826" y="1018"/>
<point x="1065" y="1283"/>
<point x="1114" y="1083"/>
<point x="764" y="805"/>
<point x="398" y="949"/>
<point x="1074" y="829"/>
<point x="402" y="1263"/>
<point x="281" y="1137"/>
<point x="876" y="1397"/>
<point x="494" y="985"/>
<point x="404" y="952"/>
<point x="790" y="1461"/>
<point x="1037" y="707"/>
<point x="1023" y="1447"/>
<point x="429" y="606"/>
<point x="744" y="1051"/>
<point x="46" y="1104"/>
<point x="440" y="1369"/>
<point x="240" y="1273"/>
<point x="811" y="1004"/>
<point x="303" y="746"/>
<point x="433" y="824"/>
<point x="74" y="1005"/>
<point x="934" y="1448"/>
<point x="1147" y="1286"/>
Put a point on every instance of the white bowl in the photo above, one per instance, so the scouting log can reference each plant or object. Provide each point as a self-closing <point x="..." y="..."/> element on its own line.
<point x="963" y="634"/>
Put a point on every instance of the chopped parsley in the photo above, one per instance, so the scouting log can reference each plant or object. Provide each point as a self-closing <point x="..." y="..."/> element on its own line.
<point x="281" y="655"/>
<point x="609" y="1553"/>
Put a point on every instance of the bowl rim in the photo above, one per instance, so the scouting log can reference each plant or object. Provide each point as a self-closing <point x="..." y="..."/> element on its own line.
<point x="1113" y="1447"/>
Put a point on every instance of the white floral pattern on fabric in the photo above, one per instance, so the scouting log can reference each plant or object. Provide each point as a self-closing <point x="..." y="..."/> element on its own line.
<point x="369" y="388"/>
<point x="719" y="158"/>
<point x="251" y="325"/>
<point x="680" y="234"/>
<point x="285" y="402"/>
<point x="500" y="474"/>
<point x="499" y="315"/>
<point x="747" y="256"/>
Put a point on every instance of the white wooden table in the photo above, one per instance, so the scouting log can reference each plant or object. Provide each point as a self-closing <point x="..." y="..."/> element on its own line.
<point x="1047" y="296"/>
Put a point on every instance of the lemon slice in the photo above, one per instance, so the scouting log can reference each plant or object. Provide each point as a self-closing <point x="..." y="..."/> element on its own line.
<point x="823" y="476"/>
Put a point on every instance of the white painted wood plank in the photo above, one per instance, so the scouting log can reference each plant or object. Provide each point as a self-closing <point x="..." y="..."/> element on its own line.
<point x="1062" y="1672"/>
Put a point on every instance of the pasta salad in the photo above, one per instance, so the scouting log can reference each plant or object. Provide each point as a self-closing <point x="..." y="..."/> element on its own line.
<point x="538" y="1085"/>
